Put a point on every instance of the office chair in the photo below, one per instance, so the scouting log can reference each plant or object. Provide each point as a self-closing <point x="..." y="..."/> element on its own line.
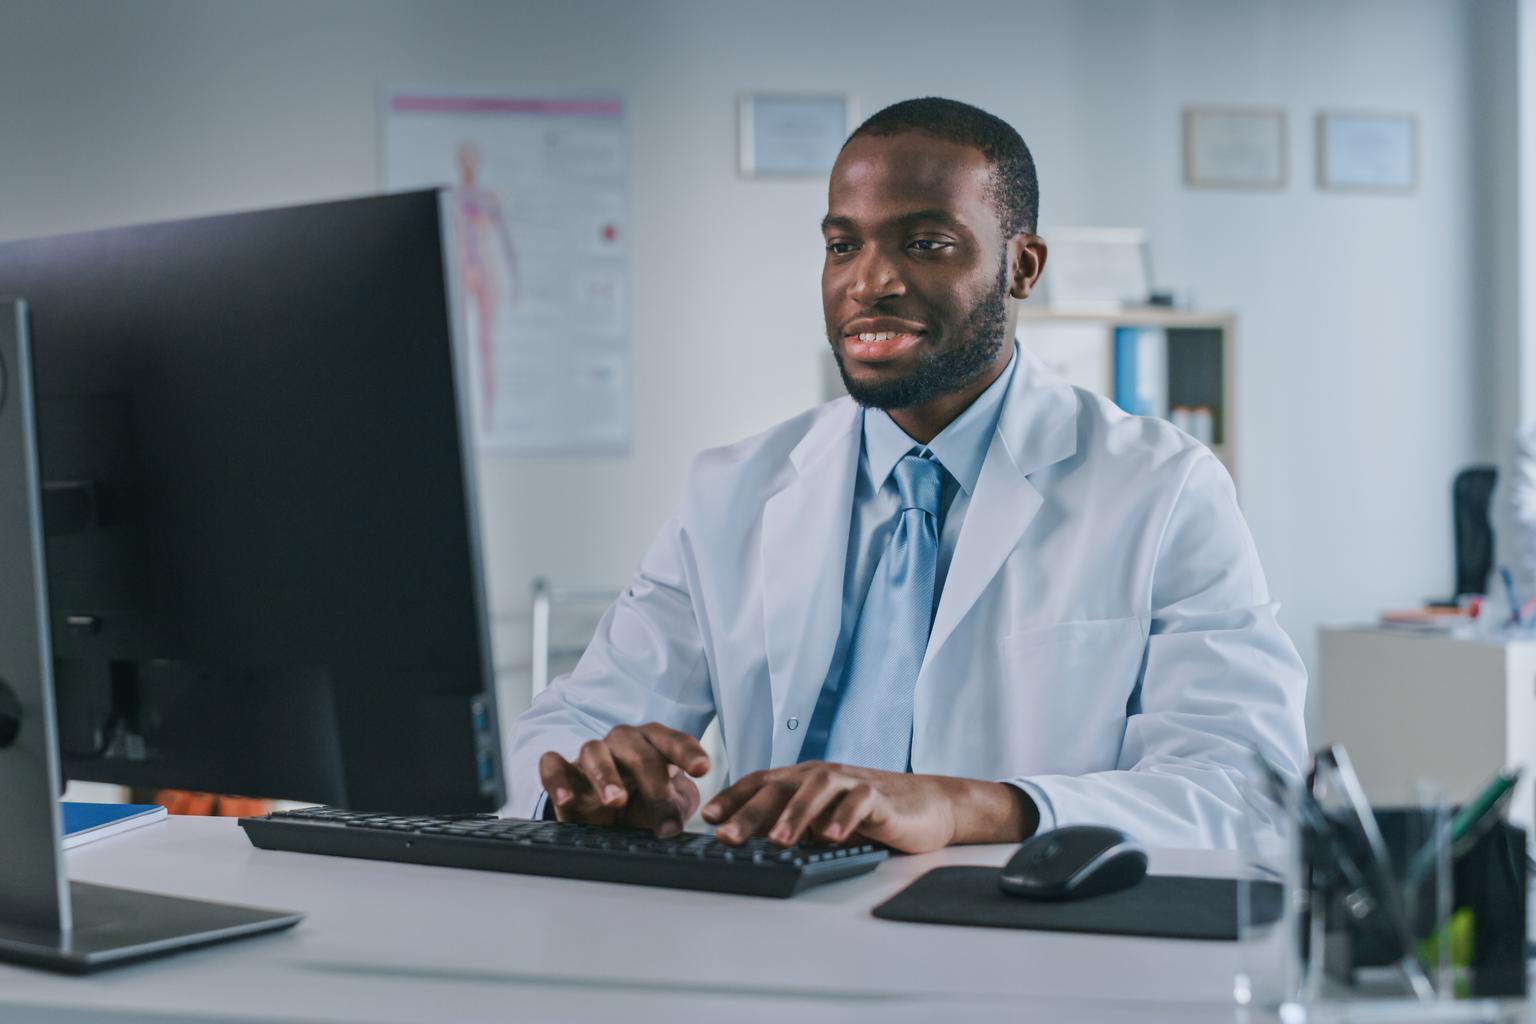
<point x="1471" y="493"/>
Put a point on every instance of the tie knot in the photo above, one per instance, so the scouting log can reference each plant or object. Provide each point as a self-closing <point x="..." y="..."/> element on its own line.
<point x="919" y="481"/>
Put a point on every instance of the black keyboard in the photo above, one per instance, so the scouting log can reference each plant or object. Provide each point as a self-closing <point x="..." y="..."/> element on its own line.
<point x="691" y="860"/>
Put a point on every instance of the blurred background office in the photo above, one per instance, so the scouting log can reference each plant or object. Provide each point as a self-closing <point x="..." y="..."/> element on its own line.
<point x="1383" y="340"/>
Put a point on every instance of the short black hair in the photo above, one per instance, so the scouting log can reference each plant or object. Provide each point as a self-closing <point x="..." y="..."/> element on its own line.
<point x="1015" y="190"/>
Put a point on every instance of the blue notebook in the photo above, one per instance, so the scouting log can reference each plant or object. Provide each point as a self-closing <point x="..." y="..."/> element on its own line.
<point x="86" y="823"/>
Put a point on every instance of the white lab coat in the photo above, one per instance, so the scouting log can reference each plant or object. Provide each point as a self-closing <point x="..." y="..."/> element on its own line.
<point x="1104" y="633"/>
<point x="1513" y="515"/>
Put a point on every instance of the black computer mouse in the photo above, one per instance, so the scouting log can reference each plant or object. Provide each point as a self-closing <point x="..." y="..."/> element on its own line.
<point x="1074" y="862"/>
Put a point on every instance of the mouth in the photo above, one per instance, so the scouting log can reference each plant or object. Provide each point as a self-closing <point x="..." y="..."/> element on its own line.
<point x="879" y="340"/>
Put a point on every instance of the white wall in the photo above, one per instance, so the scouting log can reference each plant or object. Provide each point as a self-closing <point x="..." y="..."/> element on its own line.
<point x="1496" y="125"/>
<point x="1524" y="208"/>
<point x="1361" y="378"/>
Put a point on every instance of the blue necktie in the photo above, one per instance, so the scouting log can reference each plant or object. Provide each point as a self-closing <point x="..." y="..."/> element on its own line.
<point x="873" y="722"/>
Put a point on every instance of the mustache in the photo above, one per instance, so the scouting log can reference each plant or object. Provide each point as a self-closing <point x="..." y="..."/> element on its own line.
<point x="875" y="312"/>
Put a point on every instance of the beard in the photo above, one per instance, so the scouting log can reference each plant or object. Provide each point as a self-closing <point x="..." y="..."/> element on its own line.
<point x="980" y="338"/>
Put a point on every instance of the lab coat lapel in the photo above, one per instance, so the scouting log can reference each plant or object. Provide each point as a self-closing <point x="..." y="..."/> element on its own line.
<point x="1036" y="428"/>
<point x="804" y="556"/>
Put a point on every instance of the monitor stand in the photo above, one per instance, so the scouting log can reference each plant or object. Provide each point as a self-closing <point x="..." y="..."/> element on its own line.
<point x="46" y="920"/>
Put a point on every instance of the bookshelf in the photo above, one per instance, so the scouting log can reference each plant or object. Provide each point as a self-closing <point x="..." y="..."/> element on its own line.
<point x="1193" y="369"/>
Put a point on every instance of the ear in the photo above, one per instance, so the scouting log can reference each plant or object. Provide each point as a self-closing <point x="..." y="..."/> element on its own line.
<point x="1026" y="261"/>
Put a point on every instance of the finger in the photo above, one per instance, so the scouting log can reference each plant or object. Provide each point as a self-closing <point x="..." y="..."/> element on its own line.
<point x="757" y="813"/>
<point x="559" y="778"/>
<point x="817" y="830"/>
<point x="571" y="795"/>
<point x="853" y="810"/>
<point x="726" y="802"/>
<point x="817" y="790"/>
<point x="647" y="771"/>
<point x="686" y="791"/>
<point x="597" y="764"/>
<point x="677" y="747"/>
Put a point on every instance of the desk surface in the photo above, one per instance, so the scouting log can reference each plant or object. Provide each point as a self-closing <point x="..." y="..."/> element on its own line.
<point x="394" y="942"/>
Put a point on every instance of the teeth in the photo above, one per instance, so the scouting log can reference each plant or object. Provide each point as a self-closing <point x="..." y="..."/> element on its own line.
<point x="879" y="336"/>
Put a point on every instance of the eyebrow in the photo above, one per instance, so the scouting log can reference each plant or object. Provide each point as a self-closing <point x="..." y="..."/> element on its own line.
<point x="941" y="216"/>
<point x="833" y="221"/>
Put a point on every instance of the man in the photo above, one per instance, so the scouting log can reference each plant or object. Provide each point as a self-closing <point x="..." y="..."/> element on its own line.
<point x="965" y="604"/>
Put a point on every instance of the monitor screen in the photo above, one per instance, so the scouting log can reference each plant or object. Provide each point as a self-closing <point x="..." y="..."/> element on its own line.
<point x="260" y="507"/>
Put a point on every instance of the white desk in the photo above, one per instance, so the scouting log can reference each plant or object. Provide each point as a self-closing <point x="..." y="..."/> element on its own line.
<point x="394" y="942"/>
<point x="1450" y="710"/>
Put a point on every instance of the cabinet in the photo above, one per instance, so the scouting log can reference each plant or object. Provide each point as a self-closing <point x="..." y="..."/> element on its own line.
<point x="1449" y="710"/>
<point x="1186" y="368"/>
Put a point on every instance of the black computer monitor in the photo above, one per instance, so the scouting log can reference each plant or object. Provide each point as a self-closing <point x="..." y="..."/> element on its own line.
<point x="260" y="506"/>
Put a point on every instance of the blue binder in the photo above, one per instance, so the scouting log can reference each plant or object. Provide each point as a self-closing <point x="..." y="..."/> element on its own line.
<point x="1127" y="354"/>
<point x="86" y="823"/>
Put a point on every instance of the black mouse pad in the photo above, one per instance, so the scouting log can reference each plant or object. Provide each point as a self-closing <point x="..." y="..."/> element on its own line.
<point x="1164" y="906"/>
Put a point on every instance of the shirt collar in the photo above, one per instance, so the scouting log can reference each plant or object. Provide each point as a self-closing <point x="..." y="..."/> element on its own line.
<point x="960" y="447"/>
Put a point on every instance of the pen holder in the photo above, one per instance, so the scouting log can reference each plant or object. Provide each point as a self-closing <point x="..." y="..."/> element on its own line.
<point x="1477" y="934"/>
<point x="1383" y="894"/>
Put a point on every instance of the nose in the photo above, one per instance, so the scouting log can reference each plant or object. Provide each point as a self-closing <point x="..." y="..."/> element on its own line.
<point x="875" y="277"/>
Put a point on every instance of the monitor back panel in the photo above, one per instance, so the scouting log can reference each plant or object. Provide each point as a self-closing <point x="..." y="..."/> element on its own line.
<point x="260" y="505"/>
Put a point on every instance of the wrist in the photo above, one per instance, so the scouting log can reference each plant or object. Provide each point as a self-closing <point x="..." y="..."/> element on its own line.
<point x="989" y="812"/>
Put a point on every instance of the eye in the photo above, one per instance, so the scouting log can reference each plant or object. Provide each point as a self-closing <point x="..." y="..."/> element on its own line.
<point x="839" y="248"/>
<point x="931" y="244"/>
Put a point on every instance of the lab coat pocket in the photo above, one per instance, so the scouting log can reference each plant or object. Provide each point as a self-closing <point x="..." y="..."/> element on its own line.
<point x="1066" y="687"/>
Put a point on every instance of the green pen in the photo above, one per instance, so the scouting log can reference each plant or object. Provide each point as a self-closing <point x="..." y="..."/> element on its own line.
<point x="1465" y="824"/>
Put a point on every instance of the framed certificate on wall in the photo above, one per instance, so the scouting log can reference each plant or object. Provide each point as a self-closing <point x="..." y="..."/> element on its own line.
<point x="1367" y="152"/>
<point x="1226" y="147"/>
<point x="790" y="135"/>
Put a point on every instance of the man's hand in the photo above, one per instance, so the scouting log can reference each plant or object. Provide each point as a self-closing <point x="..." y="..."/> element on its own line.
<point x="836" y="802"/>
<point x="635" y="776"/>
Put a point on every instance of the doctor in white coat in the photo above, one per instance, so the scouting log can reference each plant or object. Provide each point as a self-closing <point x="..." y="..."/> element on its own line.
<point x="1066" y="623"/>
